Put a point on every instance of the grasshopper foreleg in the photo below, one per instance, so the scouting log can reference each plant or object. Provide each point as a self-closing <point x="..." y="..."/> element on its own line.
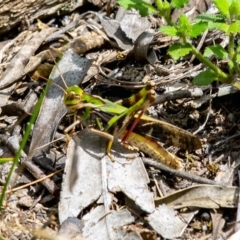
<point x="71" y="127"/>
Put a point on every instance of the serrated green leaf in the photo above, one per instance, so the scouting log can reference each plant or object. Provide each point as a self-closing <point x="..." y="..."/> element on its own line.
<point x="205" y="78"/>
<point x="207" y="52"/>
<point x="166" y="8"/>
<point x="166" y="5"/>
<point x="145" y="8"/>
<point x="217" y="26"/>
<point x="183" y="21"/>
<point x="178" y="50"/>
<point x="159" y="4"/>
<point x="234" y="27"/>
<point x="198" y="29"/>
<point x="217" y="50"/>
<point x="169" y="31"/>
<point x="223" y="27"/>
<point x="234" y="9"/>
<point x="184" y="26"/>
<point x="179" y="3"/>
<point x="222" y="6"/>
<point x="206" y="17"/>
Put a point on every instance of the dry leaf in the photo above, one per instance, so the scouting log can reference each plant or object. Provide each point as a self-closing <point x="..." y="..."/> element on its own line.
<point x="203" y="196"/>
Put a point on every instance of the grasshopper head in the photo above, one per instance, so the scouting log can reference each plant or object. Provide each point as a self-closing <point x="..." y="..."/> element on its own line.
<point x="73" y="97"/>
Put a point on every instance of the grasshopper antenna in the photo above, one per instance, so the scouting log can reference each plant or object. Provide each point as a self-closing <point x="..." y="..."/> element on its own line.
<point x="54" y="83"/>
<point x="56" y="64"/>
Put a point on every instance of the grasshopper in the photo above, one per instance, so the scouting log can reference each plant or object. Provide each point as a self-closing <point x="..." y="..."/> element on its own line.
<point x="123" y="118"/>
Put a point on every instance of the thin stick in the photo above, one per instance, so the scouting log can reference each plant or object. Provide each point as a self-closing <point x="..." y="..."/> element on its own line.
<point x="208" y="115"/>
<point x="53" y="83"/>
<point x="49" y="143"/>
<point x="36" y="181"/>
<point x="181" y="174"/>
<point x="58" y="70"/>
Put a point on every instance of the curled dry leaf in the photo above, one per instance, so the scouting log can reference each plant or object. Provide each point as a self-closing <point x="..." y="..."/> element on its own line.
<point x="203" y="196"/>
<point x="126" y="28"/>
<point x="141" y="50"/>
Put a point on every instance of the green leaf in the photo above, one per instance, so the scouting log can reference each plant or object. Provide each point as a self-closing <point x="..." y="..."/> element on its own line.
<point x="166" y="6"/>
<point x="169" y="31"/>
<point x="5" y="160"/>
<point x="179" y="3"/>
<point x="218" y="26"/>
<point x="234" y="9"/>
<point x="159" y="4"/>
<point x="205" y="78"/>
<point x="223" y="27"/>
<point x="164" y="9"/>
<point x="234" y="27"/>
<point x="206" y="17"/>
<point x="217" y="50"/>
<point x="222" y="6"/>
<point x="178" y="50"/>
<point x="184" y="26"/>
<point x="145" y="8"/>
<point x="198" y="29"/>
<point x="238" y="58"/>
<point x="184" y="22"/>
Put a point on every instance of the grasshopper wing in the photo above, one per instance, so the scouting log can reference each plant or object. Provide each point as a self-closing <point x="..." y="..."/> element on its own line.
<point x="168" y="133"/>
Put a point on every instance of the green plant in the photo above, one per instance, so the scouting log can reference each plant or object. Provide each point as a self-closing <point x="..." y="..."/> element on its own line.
<point x="228" y="21"/>
<point x="23" y="143"/>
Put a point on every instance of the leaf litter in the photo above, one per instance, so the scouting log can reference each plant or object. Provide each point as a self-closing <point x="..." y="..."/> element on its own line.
<point x="120" y="200"/>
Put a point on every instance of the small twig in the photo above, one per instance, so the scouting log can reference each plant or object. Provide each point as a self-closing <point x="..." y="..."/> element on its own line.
<point x="199" y="45"/>
<point x="208" y="115"/>
<point x="59" y="34"/>
<point x="47" y="144"/>
<point x="181" y="174"/>
<point x="159" y="190"/>
<point x="197" y="92"/>
<point x="217" y="144"/>
<point x="162" y="187"/>
<point x="38" y="199"/>
<point x="36" y="181"/>
<point x="218" y="159"/>
<point x="38" y="174"/>
<point x="129" y="85"/>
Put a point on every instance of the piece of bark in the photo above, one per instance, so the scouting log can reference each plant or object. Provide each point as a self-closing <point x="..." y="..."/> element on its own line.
<point x="15" y="11"/>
